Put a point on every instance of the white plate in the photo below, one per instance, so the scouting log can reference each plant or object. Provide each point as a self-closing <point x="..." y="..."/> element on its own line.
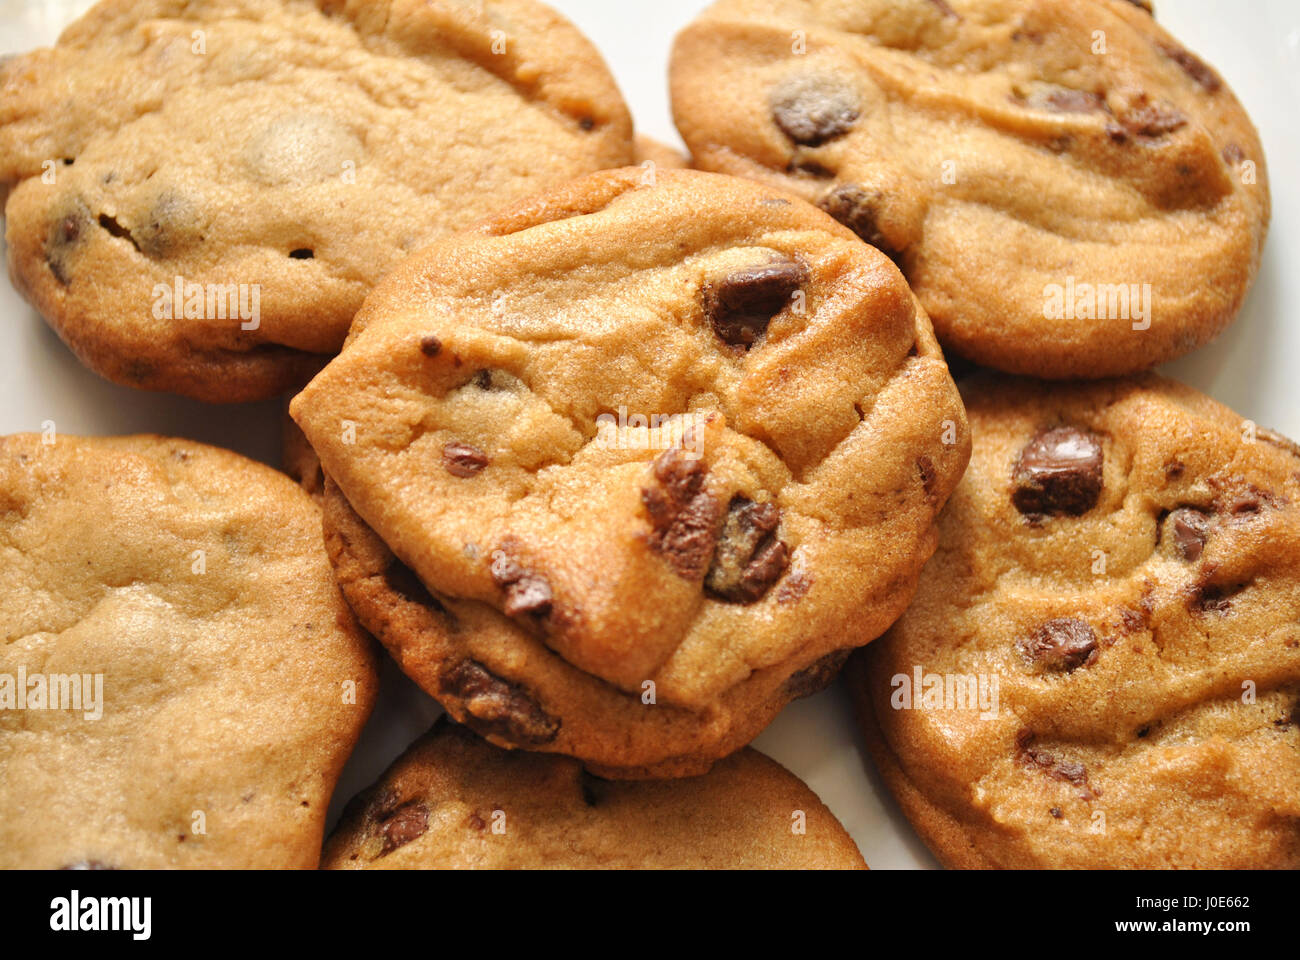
<point x="1256" y="47"/>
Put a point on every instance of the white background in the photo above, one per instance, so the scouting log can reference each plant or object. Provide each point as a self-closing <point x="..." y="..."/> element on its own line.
<point x="1255" y="44"/>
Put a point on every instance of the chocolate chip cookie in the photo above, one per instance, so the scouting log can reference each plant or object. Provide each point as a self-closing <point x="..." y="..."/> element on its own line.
<point x="454" y="801"/>
<point x="201" y="194"/>
<point x="1070" y="191"/>
<point x="180" y="681"/>
<point x="1101" y="667"/>
<point x="624" y="470"/>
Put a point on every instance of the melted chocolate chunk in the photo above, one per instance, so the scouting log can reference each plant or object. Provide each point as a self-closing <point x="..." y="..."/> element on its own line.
<point x="812" y="110"/>
<point x="527" y="593"/>
<point x="403" y="825"/>
<point x="858" y="209"/>
<point x="749" y="557"/>
<point x="817" y="677"/>
<point x="1059" y="472"/>
<point x="741" y="305"/>
<point x="1067" y="771"/>
<point x="430" y="345"/>
<point x="1060" y="646"/>
<point x="64" y="234"/>
<point x="683" y="515"/>
<point x="496" y="707"/>
<point x="1192" y="65"/>
<point x="463" y="460"/>
<point x="1190" y="529"/>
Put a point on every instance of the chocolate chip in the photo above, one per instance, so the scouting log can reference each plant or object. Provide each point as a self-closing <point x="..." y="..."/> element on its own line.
<point x="1233" y="154"/>
<point x="1055" y="812"/>
<point x="1192" y="65"/>
<point x="1060" y="646"/>
<point x="403" y="825"/>
<point x="812" y="110"/>
<point x="430" y="345"/>
<point x="526" y="592"/>
<point x="1152" y="120"/>
<point x="683" y="515"/>
<point x="740" y="306"/>
<point x="496" y="707"/>
<point x="928" y="477"/>
<point x="463" y="460"/>
<point x="1190" y="528"/>
<point x="1144" y="5"/>
<point x="1175" y="469"/>
<point x="794" y="588"/>
<point x="1064" y="100"/>
<point x="749" y="557"/>
<point x="64" y="234"/>
<point x="1058" y="472"/>
<point x="1067" y="771"/>
<point x="856" y="208"/>
<point x="817" y="677"/>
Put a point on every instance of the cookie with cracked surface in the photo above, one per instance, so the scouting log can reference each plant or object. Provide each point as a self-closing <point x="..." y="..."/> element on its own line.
<point x="454" y="801"/>
<point x="171" y="607"/>
<point x="1075" y="145"/>
<point x="1131" y="627"/>
<point x="322" y="142"/>
<point x="630" y="444"/>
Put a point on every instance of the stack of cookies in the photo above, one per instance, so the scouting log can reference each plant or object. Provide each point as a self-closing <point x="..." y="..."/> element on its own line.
<point x="616" y="455"/>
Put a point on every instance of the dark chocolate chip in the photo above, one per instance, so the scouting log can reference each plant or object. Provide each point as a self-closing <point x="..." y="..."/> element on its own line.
<point x="817" y="677"/>
<point x="812" y="110"/>
<point x="1067" y="771"/>
<point x="430" y="345"/>
<point x="496" y="707"/>
<point x="1190" y="528"/>
<point x="794" y="588"/>
<point x="1144" y="5"/>
<point x="683" y="515"/>
<point x="928" y="477"/>
<point x="403" y="825"/>
<point x="463" y="460"/>
<point x="1233" y="154"/>
<point x="1064" y="100"/>
<point x="857" y="208"/>
<point x="740" y="306"/>
<point x="1192" y="65"/>
<point x="64" y="233"/>
<point x="1059" y="472"/>
<point x="526" y="592"/>
<point x="1055" y="812"/>
<point x="749" y="557"/>
<point x="1175" y="469"/>
<point x="1152" y="120"/>
<point x="1060" y="646"/>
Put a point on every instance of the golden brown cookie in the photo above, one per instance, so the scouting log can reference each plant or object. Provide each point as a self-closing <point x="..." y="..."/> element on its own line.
<point x="1069" y="191"/>
<point x="1101" y="667"/>
<point x="203" y="193"/>
<point x="454" y="801"/>
<point x="180" y="682"/>
<point x="604" y="470"/>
